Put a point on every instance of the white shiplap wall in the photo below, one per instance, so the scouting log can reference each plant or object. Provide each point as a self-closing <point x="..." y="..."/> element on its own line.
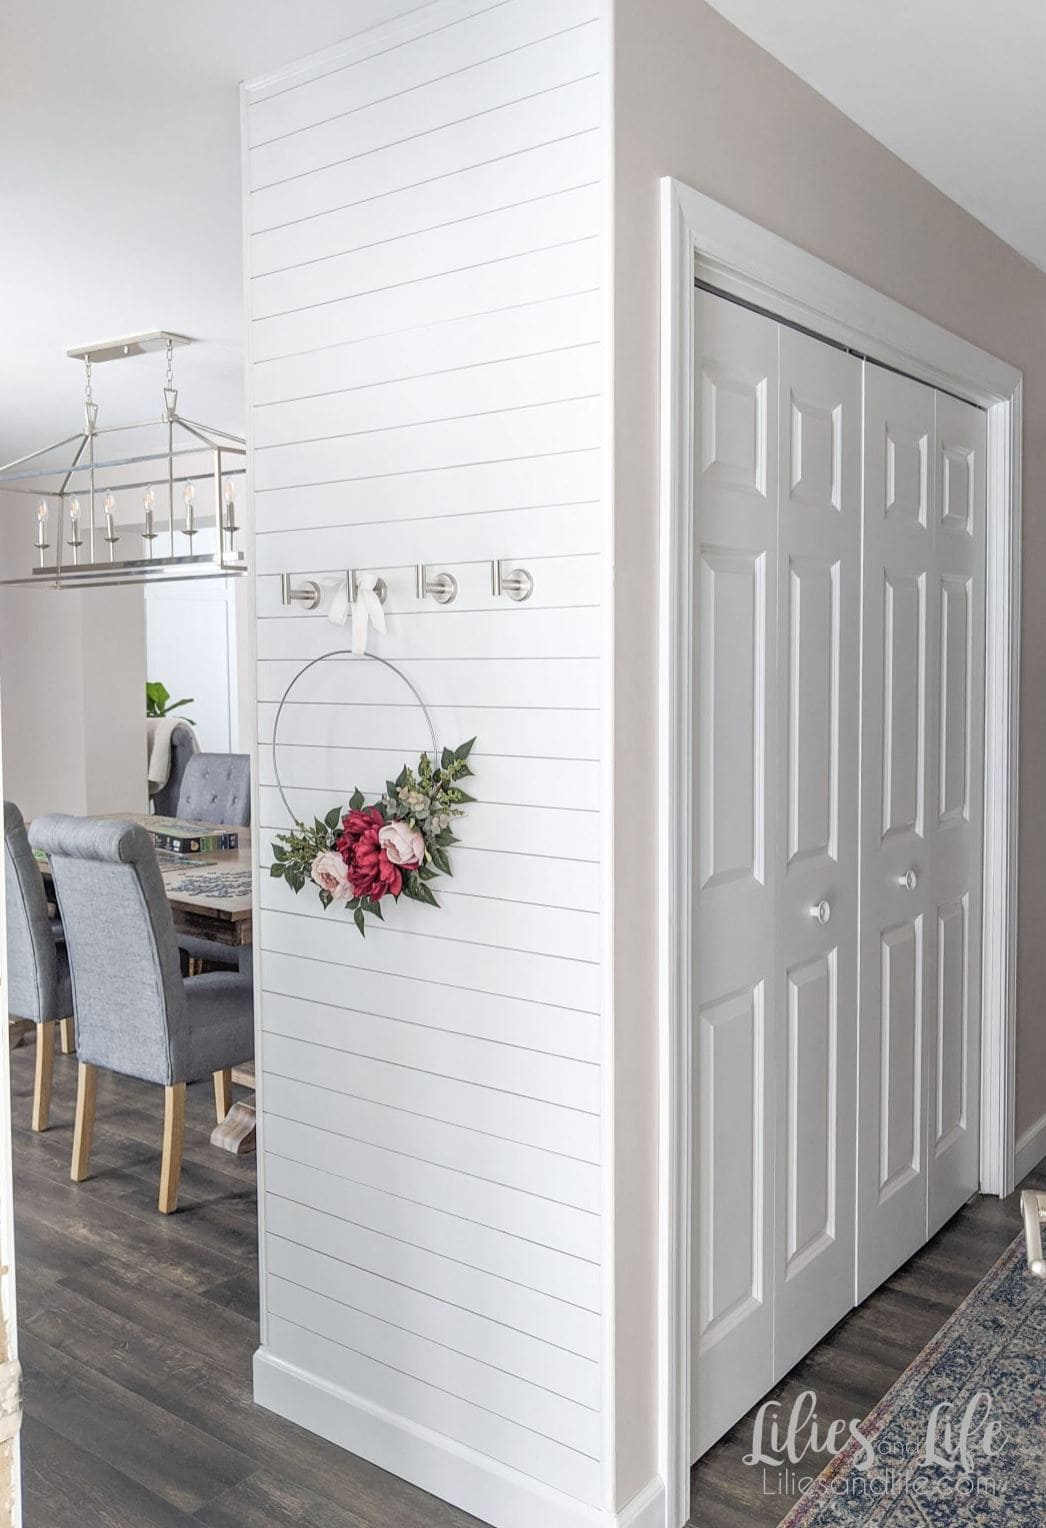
<point x="427" y="245"/>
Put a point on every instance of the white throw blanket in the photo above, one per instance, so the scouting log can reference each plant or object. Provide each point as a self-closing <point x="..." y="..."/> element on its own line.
<point x="158" y="731"/>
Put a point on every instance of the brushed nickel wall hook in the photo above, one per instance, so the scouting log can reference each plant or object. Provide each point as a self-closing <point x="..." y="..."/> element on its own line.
<point x="442" y="587"/>
<point x="381" y="588"/>
<point x="516" y="583"/>
<point x="306" y="593"/>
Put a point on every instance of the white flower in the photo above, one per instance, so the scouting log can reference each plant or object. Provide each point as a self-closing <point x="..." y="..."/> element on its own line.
<point x="403" y="844"/>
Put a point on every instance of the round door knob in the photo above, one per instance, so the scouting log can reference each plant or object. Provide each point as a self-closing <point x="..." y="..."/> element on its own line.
<point x="822" y="910"/>
<point x="909" y="880"/>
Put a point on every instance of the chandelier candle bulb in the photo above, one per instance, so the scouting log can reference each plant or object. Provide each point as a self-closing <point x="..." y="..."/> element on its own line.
<point x="110" y="527"/>
<point x="42" y="512"/>
<point x="149" y="501"/>
<point x="230" y="509"/>
<point x="189" y="496"/>
<point x="75" y="540"/>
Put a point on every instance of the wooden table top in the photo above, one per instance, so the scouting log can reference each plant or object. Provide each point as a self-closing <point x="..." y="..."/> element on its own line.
<point x="210" y="894"/>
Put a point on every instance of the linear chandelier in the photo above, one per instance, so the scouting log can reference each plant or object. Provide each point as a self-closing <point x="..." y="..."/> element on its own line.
<point x="180" y="484"/>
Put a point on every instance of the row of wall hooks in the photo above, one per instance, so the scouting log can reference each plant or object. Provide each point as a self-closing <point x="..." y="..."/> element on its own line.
<point x="505" y="582"/>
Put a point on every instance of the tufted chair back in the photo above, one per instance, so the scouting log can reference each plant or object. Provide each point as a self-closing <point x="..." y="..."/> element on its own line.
<point x="216" y="787"/>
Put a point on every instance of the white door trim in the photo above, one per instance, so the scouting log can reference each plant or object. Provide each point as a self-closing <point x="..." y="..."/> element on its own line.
<point x="701" y="238"/>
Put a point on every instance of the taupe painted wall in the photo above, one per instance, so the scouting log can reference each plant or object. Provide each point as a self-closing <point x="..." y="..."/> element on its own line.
<point x="697" y="100"/>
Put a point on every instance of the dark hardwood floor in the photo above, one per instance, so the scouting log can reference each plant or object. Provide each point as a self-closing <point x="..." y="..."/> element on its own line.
<point x="860" y="1359"/>
<point x="137" y="1332"/>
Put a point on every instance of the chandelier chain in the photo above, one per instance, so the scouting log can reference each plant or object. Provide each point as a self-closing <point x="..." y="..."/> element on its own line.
<point x="88" y="396"/>
<point x="170" y="364"/>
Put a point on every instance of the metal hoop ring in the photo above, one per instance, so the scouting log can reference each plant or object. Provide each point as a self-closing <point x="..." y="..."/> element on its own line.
<point x="339" y="652"/>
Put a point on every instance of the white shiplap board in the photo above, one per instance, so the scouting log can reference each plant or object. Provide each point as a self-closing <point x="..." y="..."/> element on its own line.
<point x="427" y="222"/>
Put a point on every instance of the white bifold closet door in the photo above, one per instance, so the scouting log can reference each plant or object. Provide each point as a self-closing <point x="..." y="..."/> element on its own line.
<point x="922" y="790"/>
<point x="776" y="641"/>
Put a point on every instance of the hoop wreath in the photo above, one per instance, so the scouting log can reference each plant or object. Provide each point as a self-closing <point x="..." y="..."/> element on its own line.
<point x="395" y="847"/>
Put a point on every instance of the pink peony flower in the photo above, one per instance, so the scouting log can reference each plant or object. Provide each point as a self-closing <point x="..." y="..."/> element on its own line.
<point x="331" y="874"/>
<point x="403" y="844"/>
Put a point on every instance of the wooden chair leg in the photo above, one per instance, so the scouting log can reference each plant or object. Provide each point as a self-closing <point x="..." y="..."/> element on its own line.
<point x="68" y="1036"/>
<point x="86" y="1097"/>
<point x="173" y="1138"/>
<point x="222" y="1093"/>
<point x="44" y="1075"/>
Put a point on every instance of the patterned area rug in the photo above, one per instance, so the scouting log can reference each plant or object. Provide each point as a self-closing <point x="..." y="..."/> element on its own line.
<point x="961" y="1437"/>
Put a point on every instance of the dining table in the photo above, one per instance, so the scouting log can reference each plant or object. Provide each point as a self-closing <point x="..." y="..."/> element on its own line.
<point x="211" y="897"/>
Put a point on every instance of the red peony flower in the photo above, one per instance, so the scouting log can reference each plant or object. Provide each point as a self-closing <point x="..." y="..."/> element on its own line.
<point x="371" y="873"/>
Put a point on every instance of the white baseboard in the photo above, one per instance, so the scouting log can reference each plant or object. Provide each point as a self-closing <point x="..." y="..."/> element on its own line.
<point x="489" y="1490"/>
<point x="1031" y="1148"/>
<point x="645" y="1510"/>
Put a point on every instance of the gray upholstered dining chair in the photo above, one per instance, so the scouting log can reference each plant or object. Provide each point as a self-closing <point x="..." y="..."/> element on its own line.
<point x="38" y="985"/>
<point x="134" y="1012"/>
<point x="216" y="787"/>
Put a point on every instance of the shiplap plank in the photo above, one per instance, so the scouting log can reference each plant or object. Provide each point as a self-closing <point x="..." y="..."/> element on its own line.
<point x="567" y="1132"/>
<point x="562" y="109"/>
<point x="543" y="732"/>
<point x="446" y="633"/>
<point x="559" y="1322"/>
<point x="464" y="1377"/>
<point x="456" y="98"/>
<point x="561" y="218"/>
<point x="382" y="66"/>
<point x="560" y="375"/>
<point x="510" y="1257"/>
<point x="535" y="782"/>
<point x="450" y="201"/>
<point x="495" y="921"/>
<point x="432" y="1407"/>
<point x="552" y="1178"/>
<point x="538" y="430"/>
<point x="443" y="1053"/>
<point x="463" y="1331"/>
<point x="538" y="1220"/>
<point x="556" y="832"/>
<point x="556" y="1030"/>
<point x="433" y="350"/>
<point x="505" y="875"/>
<point x="564" y="487"/>
<point x="562" y="270"/>
<point x="532" y="683"/>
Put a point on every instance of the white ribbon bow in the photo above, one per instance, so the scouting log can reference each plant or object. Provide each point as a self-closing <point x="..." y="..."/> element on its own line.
<point x="366" y="608"/>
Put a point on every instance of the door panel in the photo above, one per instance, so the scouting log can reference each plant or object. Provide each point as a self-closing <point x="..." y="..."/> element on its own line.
<point x="817" y="685"/>
<point x="900" y="1111"/>
<point x="735" y="549"/>
<point x="731" y="1038"/>
<point x="957" y="830"/>
<point x="904" y="703"/>
<point x="898" y="780"/>
<point x="732" y="594"/>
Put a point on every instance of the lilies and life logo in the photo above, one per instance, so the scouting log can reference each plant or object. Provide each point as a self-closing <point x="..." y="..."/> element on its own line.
<point x="949" y="1456"/>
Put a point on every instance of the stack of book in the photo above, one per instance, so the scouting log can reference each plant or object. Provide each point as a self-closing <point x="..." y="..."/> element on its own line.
<point x="178" y="837"/>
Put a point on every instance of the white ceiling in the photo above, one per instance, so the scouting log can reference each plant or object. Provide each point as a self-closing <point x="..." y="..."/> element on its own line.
<point x="120" y="184"/>
<point x="120" y="168"/>
<point x="956" y="88"/>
